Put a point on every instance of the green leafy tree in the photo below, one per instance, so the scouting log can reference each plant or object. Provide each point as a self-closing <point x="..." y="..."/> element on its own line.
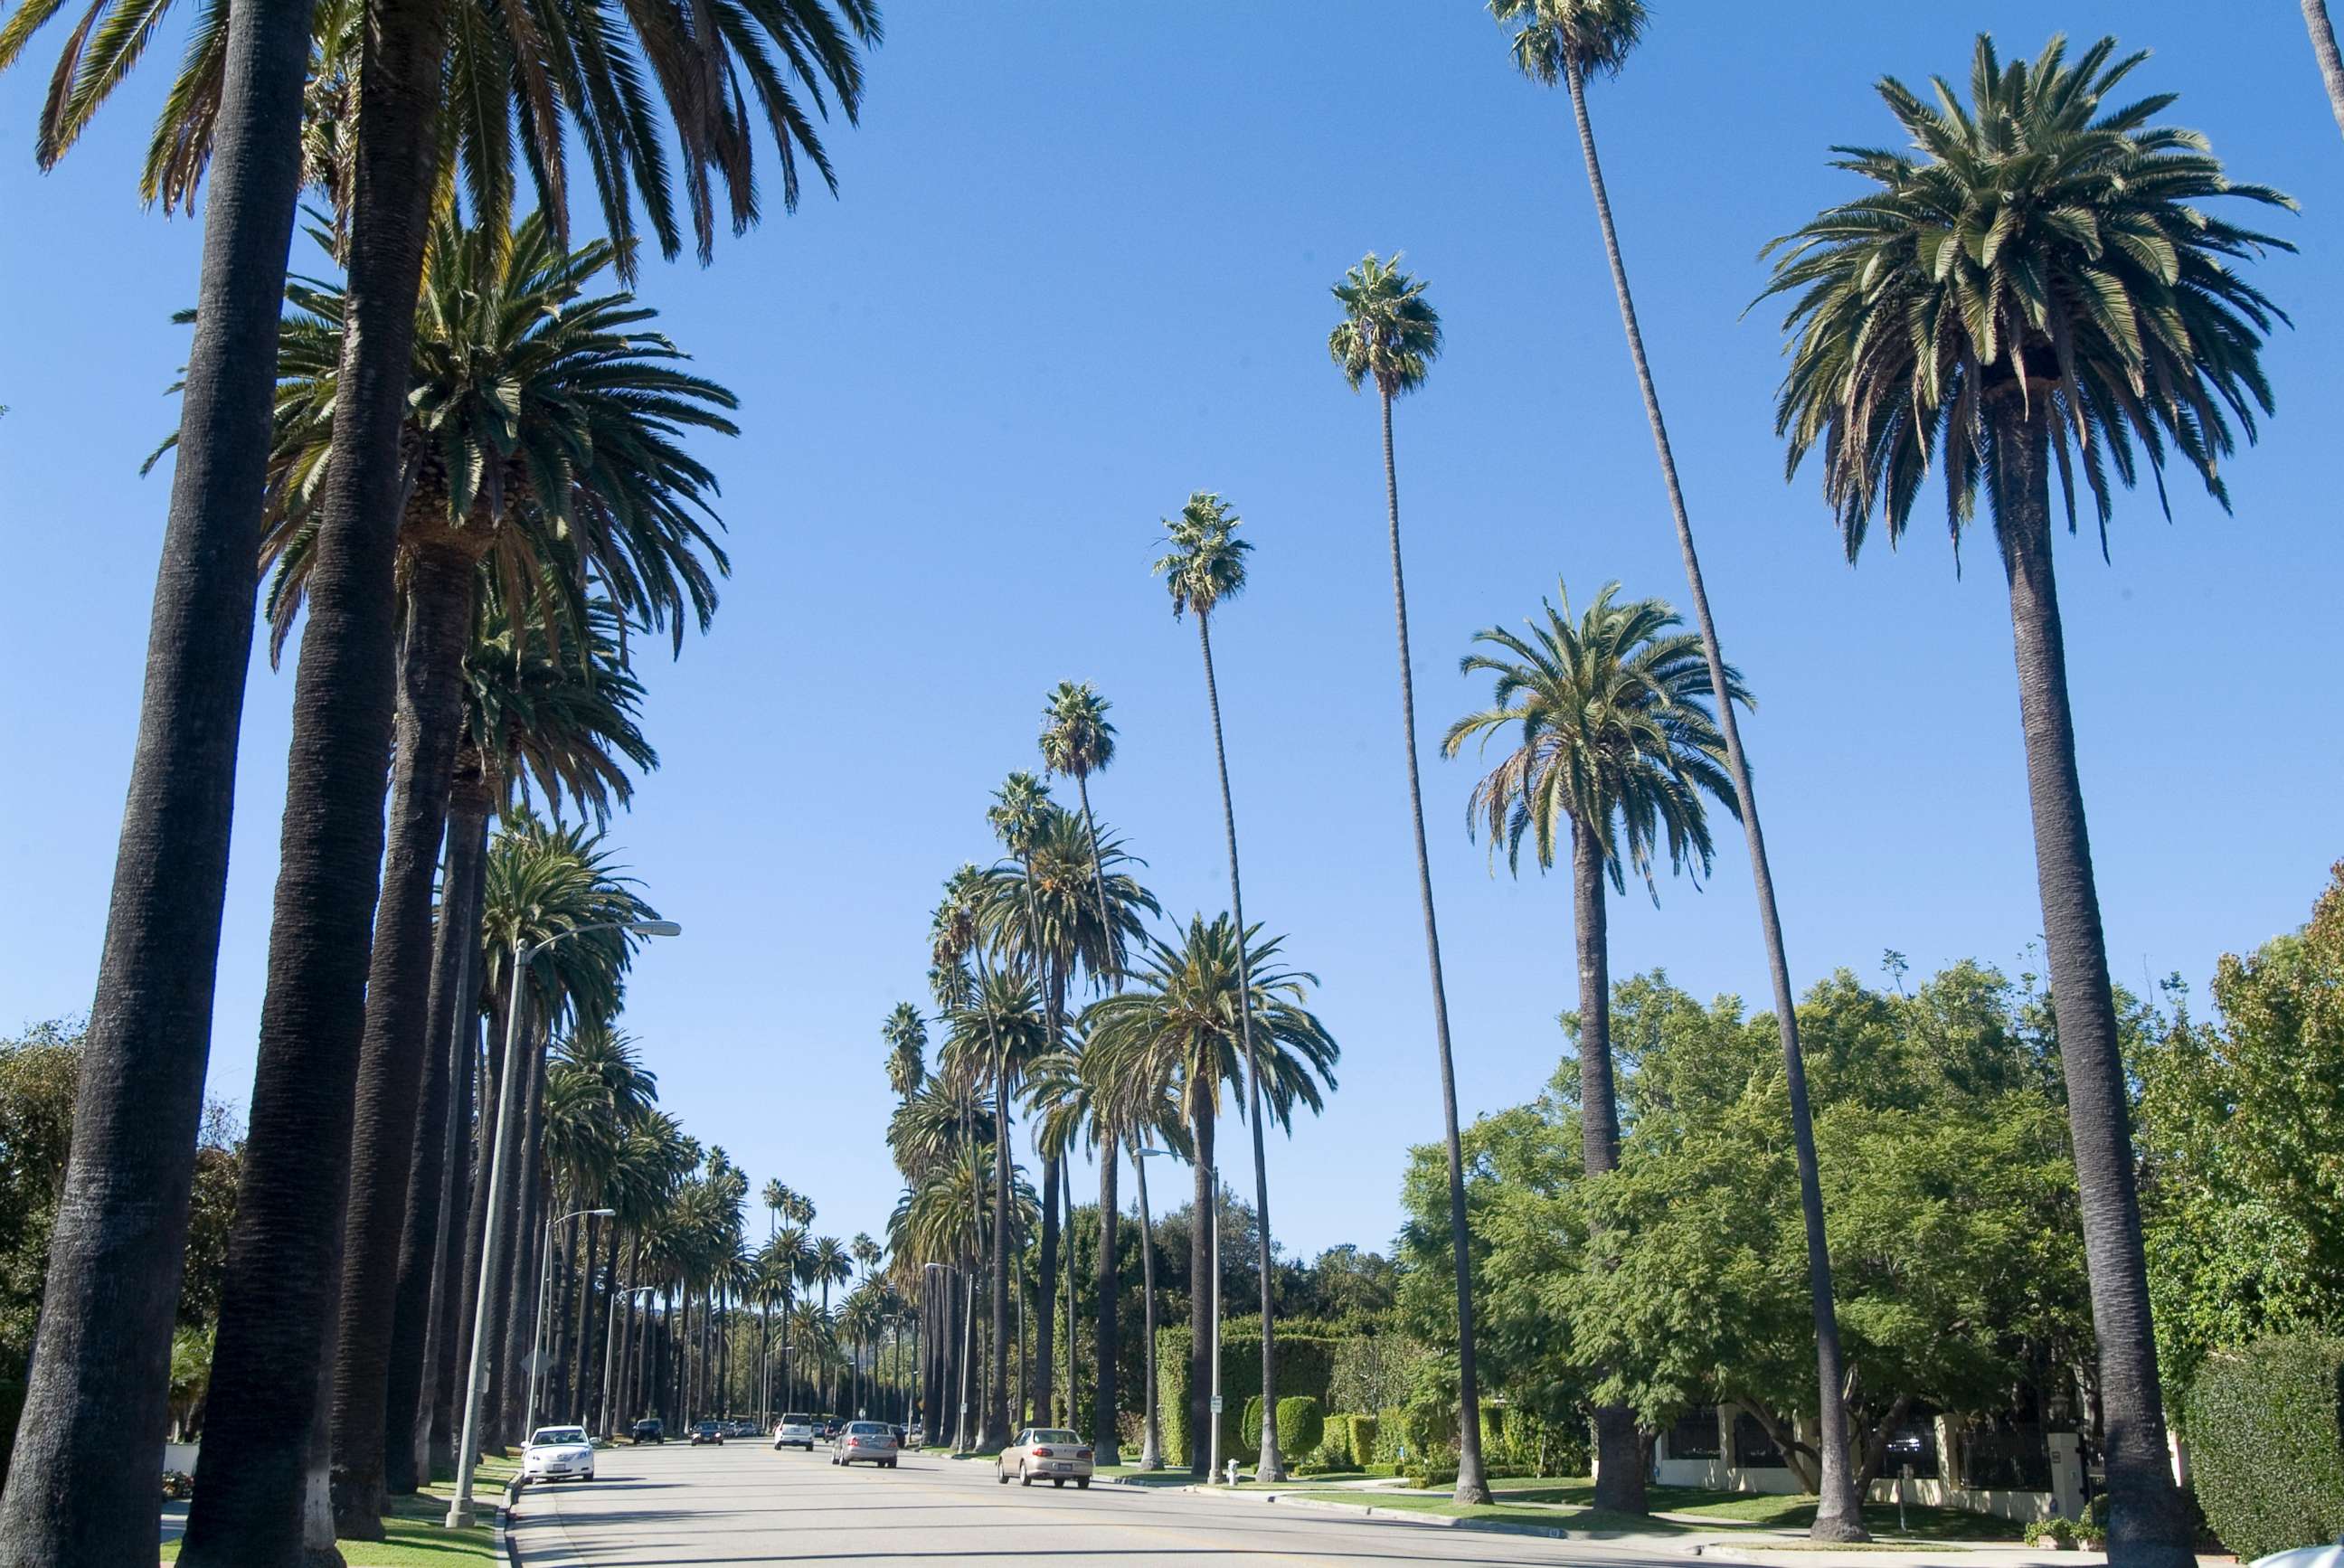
<point x="2037" y="286"/>
<point x="1390" y="335"/>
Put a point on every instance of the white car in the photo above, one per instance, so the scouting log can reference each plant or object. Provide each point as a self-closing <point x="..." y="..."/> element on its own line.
<point x="557" y="1453"/>
<point x="795" y="1432"/>
<point x="1046" y="1453"/>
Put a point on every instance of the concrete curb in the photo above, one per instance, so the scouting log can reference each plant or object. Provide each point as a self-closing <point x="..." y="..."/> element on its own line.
<point x="1368" y="1511"/>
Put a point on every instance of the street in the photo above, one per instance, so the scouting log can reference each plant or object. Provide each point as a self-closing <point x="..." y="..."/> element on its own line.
<point x="743" y="1503"/>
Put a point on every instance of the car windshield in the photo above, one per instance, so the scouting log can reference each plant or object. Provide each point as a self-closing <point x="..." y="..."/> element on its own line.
<point x="867" y="1429"/>
<point x="553" y="1435"/>
<point x="797" y="1420"/>
<point x="1055" y="1436"/>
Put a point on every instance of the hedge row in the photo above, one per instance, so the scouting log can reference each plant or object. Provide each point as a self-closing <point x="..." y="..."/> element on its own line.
<point x="1304" y="1364"/>
<point x="2265" y="1430"/>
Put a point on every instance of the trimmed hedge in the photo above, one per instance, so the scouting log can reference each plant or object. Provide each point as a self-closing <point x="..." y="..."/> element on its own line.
<point x="2265" y="1430"/>
<point x="1304" y="1364"/>
<point x="1302" y="1426"/>
<point x="1362" y="1442"/>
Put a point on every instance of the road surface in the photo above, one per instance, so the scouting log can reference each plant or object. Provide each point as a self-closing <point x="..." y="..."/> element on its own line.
<point x="745" y="1504"/>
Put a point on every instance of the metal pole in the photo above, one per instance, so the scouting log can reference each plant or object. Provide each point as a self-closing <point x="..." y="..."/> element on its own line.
<point x="537" y="1327"/>
<point x="610" y="1346"/>
<point x="459" y="1510"/>
<point x="1212" y="1405"/>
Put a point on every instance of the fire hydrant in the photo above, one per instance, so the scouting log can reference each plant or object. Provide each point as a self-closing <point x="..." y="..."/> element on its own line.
<point x="1230" y="1470"/>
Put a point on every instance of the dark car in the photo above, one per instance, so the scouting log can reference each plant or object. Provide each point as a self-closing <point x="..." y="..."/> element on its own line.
<point x="829" y="1425"/>
<point x="708" y="1431"/>
<point x="650" y="1429"/>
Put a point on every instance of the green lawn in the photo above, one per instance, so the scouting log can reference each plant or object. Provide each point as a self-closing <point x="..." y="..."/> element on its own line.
<point x="1132" y="1475"/>
<point x="1567" y="1503"/>
<point x="415" y="1536"/>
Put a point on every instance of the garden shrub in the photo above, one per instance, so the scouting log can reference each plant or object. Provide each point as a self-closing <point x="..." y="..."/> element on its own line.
<point x="2054" y="1532"/>
<point x="1362" y="1440"/>
<point x="1300" y="1426"/>
<point x="1304" y="1364"/>
<point x="1245" y="1442"/>
<point x="1391" y="1434"/>
<point x="2265" y="1430"/>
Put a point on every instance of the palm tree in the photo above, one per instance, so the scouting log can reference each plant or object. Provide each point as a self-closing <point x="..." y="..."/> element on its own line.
<point x="1185" y="1020"/>
<point x="1134" y="1098"/>
<point x="546" y="427"/>
<point x="1077" y="742"/>
<point x="1568" y="41"/>
<point x="1205" y="567"/>
<point x="1390" y="335"/>
<point x="906" y="1036"/>
<point x="1616" y="740"/>
<point x="101" y="1359"/>
<point x="2039" y="283"/>
<point x="2323" y="49"/>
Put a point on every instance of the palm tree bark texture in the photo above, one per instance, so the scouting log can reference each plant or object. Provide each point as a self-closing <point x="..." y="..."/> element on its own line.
<point x="81" y="1483"/>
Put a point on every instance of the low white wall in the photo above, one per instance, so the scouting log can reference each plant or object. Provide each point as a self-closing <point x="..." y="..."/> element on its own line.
<point x="180" y="1456"/>
<point x="2020" y="1507"/>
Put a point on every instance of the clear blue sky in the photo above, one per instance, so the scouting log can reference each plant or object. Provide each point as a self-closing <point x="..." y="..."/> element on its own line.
<point x="1078" y="269"/>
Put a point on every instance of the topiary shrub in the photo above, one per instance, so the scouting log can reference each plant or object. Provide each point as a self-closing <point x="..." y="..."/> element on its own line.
<point x="1391" y="1434"/>
<point x="1246" y="1442"/>
<point x="2265" y="1430"/>
<point x="1300" y="1426"/>
<point x="1362" y="1441"/>
<point x="1333" y="1449"/>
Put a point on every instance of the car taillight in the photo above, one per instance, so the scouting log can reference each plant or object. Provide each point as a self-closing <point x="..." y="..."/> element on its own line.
<point x="1082" y="1454"/>
<point x="1041" y="1453"/>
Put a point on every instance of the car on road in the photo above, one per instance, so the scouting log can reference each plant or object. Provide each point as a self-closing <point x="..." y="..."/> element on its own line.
<point x="797" y="1431"/>
<point x="829" y="1425"/>
<point x="1046" y="1453"/>
<point x="708" y="1431"/>
<point x="917" y="1436"/>
<point x="558" y="1454"/>
<point x="866" y="1442"/>
<point x="650" y="1429"/>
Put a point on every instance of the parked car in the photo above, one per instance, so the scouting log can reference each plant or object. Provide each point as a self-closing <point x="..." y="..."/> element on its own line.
<point x="866" y="1442"/>
<point x="558" y="1454"/>
<point x="740" y="1429"/>
<point x="796" y="1430"/>
<point x="708" y="1431"/>
<point x="1046" y="1453"/>
<point x="917" y="1436"/>
<point x="650" y="1429"/>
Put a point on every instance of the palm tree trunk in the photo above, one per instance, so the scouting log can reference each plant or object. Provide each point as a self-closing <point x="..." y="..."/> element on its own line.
<point x="83" y="1471"/>
<point x="458" y="1246"/>
<point x="2148" y="1527"/>
<point x="1151" y="1442"/>
<point x="1108" y="932"/>
<point x="1203" y="1303"/>
<point x="1838" y="1515"/>
<point x="393" y="1054"/>
<point x="992" y="1434"/>
<point x="1102" y="1427"/>
<point x="2323" y="48"/>
<point x="478" y="1269"/>
<point x="283" y="1263"/>
<point x="422" y="1233"/>
<point x="1074" y="1264"/>
<point x="1044" y="1324"/>
<point x="530" y="1242"/>
<point x="1620" y="1454"/>
<point x="1271" y="1466"/>
<point x="1473" y="1484"/>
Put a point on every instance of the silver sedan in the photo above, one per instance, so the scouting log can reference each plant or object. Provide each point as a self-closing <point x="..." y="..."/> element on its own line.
<point x="1046" y="1453"/>
<point x="865" y="1442"/>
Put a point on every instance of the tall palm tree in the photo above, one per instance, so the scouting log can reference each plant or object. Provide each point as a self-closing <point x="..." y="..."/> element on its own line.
<point x="1616" y="741"/>
<point x="1205" y="567"/>
<point x="546" y="426"/>
<point x="1185" y="1020"/>
<point x="2035" y="287"/>
<point x="101" y="1361"/>
<point x="1569" y="41"/>
<point x="1135" y="1102"/>
<point x="1390" y="335"/>
<point x="2323" y="49"/>
<point x="1077" y="741"/>
<point x="906" y="1034"/>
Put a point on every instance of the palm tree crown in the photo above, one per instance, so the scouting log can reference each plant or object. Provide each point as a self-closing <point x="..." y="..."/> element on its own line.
<point x="906" y="1034"/>
<point x="1553" y="39"/>
<point x="2045" y="253"/>
<point x="1207" y="562"/>
<point x="1390" y="333"/>
<point x="1076" y="739"/>
<point x="1616" y="735"/>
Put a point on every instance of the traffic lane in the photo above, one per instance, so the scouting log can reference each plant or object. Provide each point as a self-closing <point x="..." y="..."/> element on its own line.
<point x="738" y="1506"/>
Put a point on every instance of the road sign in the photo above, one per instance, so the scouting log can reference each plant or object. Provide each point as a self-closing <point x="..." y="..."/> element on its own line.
<point x="1217" y="1404"/>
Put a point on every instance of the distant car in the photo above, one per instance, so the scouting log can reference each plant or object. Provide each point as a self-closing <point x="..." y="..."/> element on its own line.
<point x="866" y="1442"/>
<point x="558" y="1454"/>
<point x="708" y="1431"/>
<point x="740" y="1429"/>
<point x="917" y="1436"/>
<point x="829" y="1425"/>
<point x="650" y="1429"/>
<point x="1046" y="1453"/>
<point x="796" y="1432"/>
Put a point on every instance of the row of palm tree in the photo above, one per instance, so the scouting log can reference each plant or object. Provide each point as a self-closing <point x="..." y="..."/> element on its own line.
<point x="270" y="98"/>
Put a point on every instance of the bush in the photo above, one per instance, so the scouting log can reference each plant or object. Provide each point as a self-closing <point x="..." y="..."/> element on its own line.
<point x="2265" y="1430"/>
<point x="1333" y="1449"/>
<point x="1362" y="1440"/>
<point x="1439" y="1469"/>
<point x="1300" y="1426"/>
<point x="2054" y="1532"/>
<point x="1391" y="1434"/>
<point x="1304" y="1364"/>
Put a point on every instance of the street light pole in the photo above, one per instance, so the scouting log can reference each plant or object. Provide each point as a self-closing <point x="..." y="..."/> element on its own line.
<point x="459" y="1510"/>
<point x="544" y="1284"/>
<point x="1151" y="1443"/>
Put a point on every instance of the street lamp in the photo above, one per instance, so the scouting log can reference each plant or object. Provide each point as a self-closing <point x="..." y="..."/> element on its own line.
<point x="1151" y="1445"/>
<point x="610" y="1356"/>
<point x="544" y="1284"/>
<point x="459" y="1511"/>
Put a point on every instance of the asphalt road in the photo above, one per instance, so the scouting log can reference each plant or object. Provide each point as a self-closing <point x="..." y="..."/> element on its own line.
<point x="743" y="1503"/>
